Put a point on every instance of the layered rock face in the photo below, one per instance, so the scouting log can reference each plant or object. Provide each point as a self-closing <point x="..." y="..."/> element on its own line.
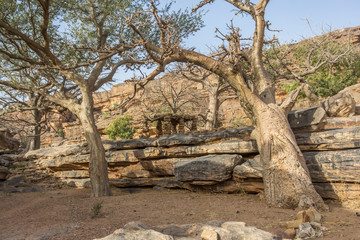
<point x="222" y="161"/>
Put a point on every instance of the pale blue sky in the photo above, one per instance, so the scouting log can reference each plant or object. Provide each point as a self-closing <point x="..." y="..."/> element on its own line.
<point x="286" y="15"/>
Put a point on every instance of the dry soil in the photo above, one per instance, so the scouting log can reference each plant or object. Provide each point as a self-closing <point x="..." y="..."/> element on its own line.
<point x="68" y="213"/>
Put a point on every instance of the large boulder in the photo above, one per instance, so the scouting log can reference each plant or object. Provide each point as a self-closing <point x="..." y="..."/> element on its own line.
<point x="354" y="91"/>
<point x="340" y="105"/>
<point x="307" y="119"/>
<point x="215" y="168"/>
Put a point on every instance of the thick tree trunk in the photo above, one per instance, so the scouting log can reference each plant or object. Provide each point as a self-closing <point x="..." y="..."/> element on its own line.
<point x="97" y="165"/>
<point x="287" y="181"/>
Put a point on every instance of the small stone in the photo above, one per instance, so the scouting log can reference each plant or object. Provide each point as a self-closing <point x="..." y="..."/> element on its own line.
<point x="291" y="232"/>
<point x="209" y="234"/>
<point x="310" y="215"/>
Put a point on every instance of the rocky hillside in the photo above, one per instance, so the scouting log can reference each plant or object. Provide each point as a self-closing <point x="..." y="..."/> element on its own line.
<point x="110" y="104"/>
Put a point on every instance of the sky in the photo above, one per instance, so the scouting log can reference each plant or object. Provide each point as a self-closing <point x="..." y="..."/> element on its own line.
<point x="289" y="16"/>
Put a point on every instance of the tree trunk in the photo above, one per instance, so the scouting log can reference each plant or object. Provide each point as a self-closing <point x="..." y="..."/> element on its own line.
<point x="212" y="112"/>
<point x="33" y="141"/>
<point x="287" y="182"/>
<point x="97" y="165"/>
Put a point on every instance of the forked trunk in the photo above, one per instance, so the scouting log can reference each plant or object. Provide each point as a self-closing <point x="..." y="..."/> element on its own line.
<point x="97" y="165"/>
<point x="287" y="182"/>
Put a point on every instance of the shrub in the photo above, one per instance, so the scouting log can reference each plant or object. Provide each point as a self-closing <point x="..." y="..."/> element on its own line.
<point x="288" y="87"/>
<point x="121" y="127"/>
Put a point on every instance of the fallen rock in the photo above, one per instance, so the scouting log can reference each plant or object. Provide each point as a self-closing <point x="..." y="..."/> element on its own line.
<point x="307" y="119"/>
<point x="207" y="168"/>
<point x="340" y="105"/>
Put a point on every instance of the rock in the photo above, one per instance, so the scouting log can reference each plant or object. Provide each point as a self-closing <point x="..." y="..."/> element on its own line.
<point x="78" y="183"/>
<point x="72" y="174"/>
<point x="131" y="171"/>
<point x="64" y="163"/>
<point x="338" y="190"/>
<point x="334" y="166"/>
<point x="209" y="234"/>
<point x="340" y="105"/>
<point x="214" y="230"/>
<point x="309" y="215"/>
<point x="309" y="231"/>
<point x="354" y="91"/>
<point x="308" y="119"/>
<point x="342" y="122"/>
<point x="4" y="172"/>
<point x="16" y="181"/>
<point x="294" y="224"/>
<point x="252" y="168"/>
<point x="129" y="144"/>
<point x="6" y="140"/>
<point x="207" y="168"/>
<point x="332" y="139"/>
<point x="123" y="234"/>
<point x="7" y="159"/>
<point x="122" y="156"/>
<point x="60" y="151"/>
<point x="162" y="167"/>
<point x="201" y="138"/>
<point x="166" y="182"/>
<point x="291" y="233"/>
<point x="238" y="146"/>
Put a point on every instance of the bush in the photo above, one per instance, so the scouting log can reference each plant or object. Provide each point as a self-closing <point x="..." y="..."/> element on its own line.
<point x="121" y="127"/>
<point x="288" y="87"/>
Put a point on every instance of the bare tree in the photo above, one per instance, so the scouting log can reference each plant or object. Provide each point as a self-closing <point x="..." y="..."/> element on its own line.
<point x="171" y="94"/>
<point x="240" y="63"/>
<point x="217" y="89"/>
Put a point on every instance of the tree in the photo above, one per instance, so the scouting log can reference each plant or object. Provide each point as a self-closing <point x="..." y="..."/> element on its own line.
<point x="171" y="94"/>
<point x="333" y="65"/>
<point x="218" y="92"/>
<point x="69" y="49"/>
<point x="287" y="180"/>
<point x="27" y="104"/>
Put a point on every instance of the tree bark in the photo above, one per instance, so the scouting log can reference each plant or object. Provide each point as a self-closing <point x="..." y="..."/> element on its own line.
<point x="97" y="165"/>
<point x="33" y="141"/>
<point x="287" y="182"/>
<point x="213" y="107"/>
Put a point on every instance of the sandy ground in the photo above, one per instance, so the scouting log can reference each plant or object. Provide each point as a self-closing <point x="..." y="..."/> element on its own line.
<point x="67" y="213"/>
